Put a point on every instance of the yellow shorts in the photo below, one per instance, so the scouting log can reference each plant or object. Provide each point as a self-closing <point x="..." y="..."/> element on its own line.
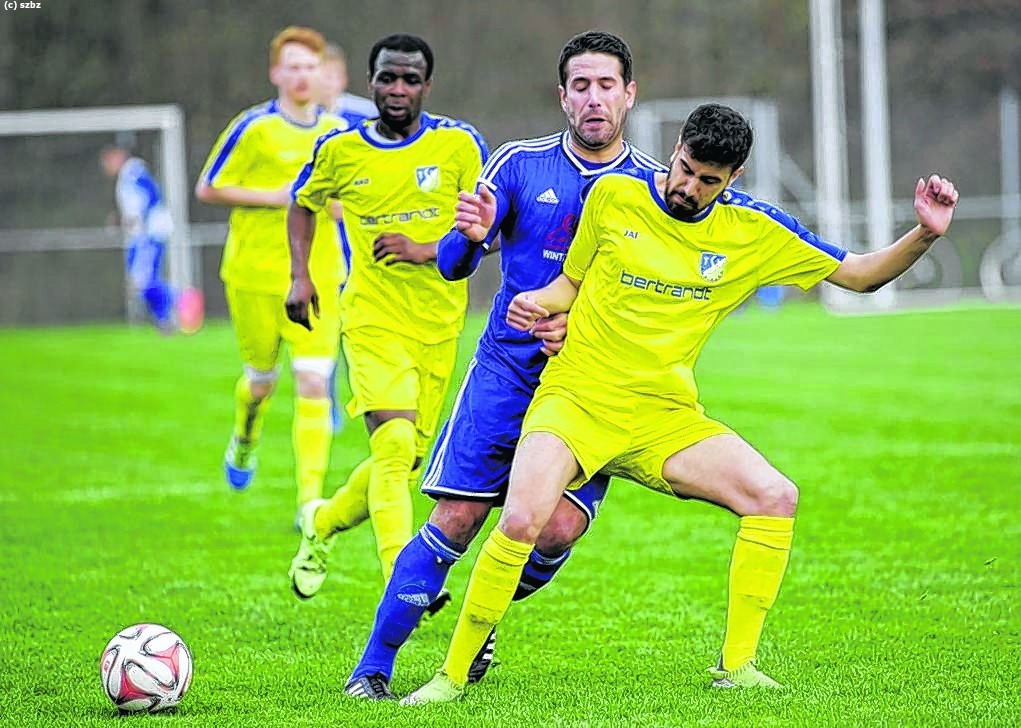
<point x="261" y="325"/>
<point x="388" y="371"/>
<point x="634" y="446"/>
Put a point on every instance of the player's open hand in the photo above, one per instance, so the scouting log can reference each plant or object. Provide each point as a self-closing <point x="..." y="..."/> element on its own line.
<point x="474" y="214"/>
<point x="396" y="248"/>
<point x="552" y="331"/>
<point x="300" y="298"/>
<point x="523" y="311"/>
<point x="935" y="200"/>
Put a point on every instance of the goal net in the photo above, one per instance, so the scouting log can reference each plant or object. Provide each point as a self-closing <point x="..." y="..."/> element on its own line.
<point x="61" y="257"/>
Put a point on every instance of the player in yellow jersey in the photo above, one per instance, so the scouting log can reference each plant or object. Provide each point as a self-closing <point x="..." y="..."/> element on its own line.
<point x="251" y="168"/>
<point x="658" y="261"/>
<point x="397" y="178"/>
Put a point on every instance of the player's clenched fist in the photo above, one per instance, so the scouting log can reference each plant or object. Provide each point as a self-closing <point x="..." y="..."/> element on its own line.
<point x="523" y="311"/>
<point x="474" y="214"/>
<point x="935" y="200"/>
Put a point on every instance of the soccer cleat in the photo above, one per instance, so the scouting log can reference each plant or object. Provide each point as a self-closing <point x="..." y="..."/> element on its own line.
<point x="483" y="660"/>
<point x="369" y="687"/>
<point x="239" y="463"/>
<point x="746" y="676"/>
<point x="441" y="689"/>
<point x="308" y="567"/>
<point x="442" y="599"/>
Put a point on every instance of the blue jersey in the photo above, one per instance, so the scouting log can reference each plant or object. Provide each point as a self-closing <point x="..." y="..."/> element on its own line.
<point x="537" y="184"/>
<point x="140" y="203"/>
<point x="354" y="109"/>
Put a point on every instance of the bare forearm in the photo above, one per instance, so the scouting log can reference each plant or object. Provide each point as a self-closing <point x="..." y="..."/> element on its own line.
<point x="301" y="227"/>
<point x="558" y="296"/>
<point x="240" y="196"/>
<point x="427" y="251"/>
<point x="871" y="271"/>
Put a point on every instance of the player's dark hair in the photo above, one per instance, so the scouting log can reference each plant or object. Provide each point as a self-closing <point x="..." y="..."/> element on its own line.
<point x="403" y="43"/>
<point x="596" y="41"/>
<point x="716" y="134"/>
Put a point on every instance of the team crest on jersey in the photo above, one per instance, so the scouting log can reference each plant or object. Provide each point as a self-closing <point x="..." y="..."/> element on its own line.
<point x="428" y="178"/>
<point x="711" y="266"/>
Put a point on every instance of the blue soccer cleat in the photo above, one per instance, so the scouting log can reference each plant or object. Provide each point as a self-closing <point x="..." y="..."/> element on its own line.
<point x="239" y="463"/>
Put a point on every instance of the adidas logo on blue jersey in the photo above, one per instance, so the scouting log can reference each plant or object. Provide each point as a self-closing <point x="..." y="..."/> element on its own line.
<point x="549" y="197"/>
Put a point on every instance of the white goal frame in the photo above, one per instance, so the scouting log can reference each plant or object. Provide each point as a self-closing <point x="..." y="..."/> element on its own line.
<point x="168" y="121"/>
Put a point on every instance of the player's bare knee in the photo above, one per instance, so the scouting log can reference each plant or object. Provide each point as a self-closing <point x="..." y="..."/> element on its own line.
<point x="312" y="374"/>
<point x="261" y="382"/>
<point x="563" y="530"/>
<point x="312" y="386"/>
<point x="520" y="525"/>
<point x="777" y="496"/>
<point x="261" y="390"/>
<point x="459" y="520"/>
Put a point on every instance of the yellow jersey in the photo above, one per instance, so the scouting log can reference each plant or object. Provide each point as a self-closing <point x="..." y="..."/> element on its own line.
<point x="263" y="149"/>
<point x="653" y="288"/>
<point x="410" y="187"/>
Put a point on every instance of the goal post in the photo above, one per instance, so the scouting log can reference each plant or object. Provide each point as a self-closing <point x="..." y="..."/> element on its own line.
<point x="167" y="121"/>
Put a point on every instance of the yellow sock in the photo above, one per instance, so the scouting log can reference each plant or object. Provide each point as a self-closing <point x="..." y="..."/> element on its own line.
<point x="248" y="415"/>
<point x="757" y="567"/>
<point x="393" y="453"/>
<point x="312" y="435"/>
<point x="349" y="506"/>
<point x="493" y="581"/>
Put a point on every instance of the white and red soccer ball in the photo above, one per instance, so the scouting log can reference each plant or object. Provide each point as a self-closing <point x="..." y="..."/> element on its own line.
<point x="145" y="668"/>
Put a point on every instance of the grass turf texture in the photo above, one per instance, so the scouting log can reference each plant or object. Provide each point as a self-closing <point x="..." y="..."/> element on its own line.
<point x="900" y="606"/>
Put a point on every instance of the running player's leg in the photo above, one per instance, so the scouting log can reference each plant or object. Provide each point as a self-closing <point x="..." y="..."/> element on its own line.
<point x="419" y="574"/>
<point x="144" y="263"/>
<point x="571" y="519"/>
<point x="313" y="358"/>
<point x="561" y="443"/>
<point x="467" y="475"/>
<point x="389" y="498"/>
<point x="726" y="470"/>
<point x="254" y="317"/>
<point x="385" y="387"/>
<point x="543" y="466"/>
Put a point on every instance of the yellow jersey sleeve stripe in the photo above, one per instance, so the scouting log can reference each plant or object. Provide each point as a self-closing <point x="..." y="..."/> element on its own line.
<point x="306" y="171"/>
<point x="239" y="128"/>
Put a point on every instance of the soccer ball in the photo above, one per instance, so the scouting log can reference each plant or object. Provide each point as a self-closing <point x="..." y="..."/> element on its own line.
<point x="145" y="668"/>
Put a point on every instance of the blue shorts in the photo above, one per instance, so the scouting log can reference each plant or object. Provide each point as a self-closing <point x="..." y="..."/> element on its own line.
<point x="143" y="259"/>
<point x="472" y="457"/>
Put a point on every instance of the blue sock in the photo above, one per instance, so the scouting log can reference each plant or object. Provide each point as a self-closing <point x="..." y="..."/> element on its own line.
<point x="538" y="572"/>
<point x="419" y="573"/>
<point x="159" y="299"/>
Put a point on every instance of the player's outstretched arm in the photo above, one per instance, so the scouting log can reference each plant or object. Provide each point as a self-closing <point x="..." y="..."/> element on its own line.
<point x="242" y="196"/>
<point x="301" y="227"/>
<point x="528" y="307"/>
<point x="935" y="200"/>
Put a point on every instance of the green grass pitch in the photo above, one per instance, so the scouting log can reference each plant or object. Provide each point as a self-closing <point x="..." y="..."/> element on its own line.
<point x="900" y="606"/>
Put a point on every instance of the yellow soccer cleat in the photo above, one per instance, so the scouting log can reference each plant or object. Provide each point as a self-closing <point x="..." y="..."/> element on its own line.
<point x="746" y="676"/>
<point x="441" y="689"/>
<point x="308" y="568"/>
